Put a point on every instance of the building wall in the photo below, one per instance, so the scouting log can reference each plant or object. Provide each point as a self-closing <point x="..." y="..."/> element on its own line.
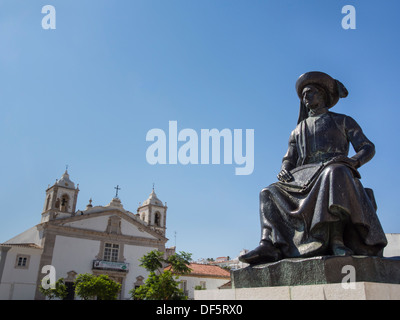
<point x="132" y="255"/>
<point x="94" y="223"/>
<point x="77" y="254"/>
<point x="19" y="283"/>
<point x="193" y="281"/>
<point x="131" y="230"/>
<point x="74" y="254"/>
<point x="393" y="247"/>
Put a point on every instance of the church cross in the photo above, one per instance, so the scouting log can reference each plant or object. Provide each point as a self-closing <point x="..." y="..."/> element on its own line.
<point x="117" y="188"/>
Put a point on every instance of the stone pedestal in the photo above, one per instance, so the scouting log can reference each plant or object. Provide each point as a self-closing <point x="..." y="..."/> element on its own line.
<point x="321" y="278"/>
<point x="318" y="270"/>
<point x="332" y="291"/>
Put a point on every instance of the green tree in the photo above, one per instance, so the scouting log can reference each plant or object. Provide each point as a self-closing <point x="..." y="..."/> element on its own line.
<point x="198" y="287"/>
<point x="89" y="286"/>
<point x="59" y="292"/>
<point x="161" y="283"/>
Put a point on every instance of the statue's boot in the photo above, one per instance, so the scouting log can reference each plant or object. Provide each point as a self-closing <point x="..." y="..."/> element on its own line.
<point x="264" y="253"/>
<point x="337" y="245"/>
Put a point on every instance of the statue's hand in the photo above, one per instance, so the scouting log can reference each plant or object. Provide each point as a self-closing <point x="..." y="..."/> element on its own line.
<point x="354" y="163"/>
<point x="284" y="176"/>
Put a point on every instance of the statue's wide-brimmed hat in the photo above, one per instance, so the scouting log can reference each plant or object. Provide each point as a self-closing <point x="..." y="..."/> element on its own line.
<point x="334" y="89"/>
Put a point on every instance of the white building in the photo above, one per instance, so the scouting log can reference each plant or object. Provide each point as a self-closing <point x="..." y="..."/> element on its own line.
<point x="207" y="277"/>
<point x="393" y="247"/>
<point x="232" y="264"/>
<point x="99" y="240"/>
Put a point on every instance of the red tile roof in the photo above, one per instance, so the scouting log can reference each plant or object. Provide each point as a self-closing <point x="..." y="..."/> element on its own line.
<point x="206" y="270"/>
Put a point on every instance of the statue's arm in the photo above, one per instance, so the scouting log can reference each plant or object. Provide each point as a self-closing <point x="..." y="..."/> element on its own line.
<point x="289" y="160"/>
<point x="364" y="148"/>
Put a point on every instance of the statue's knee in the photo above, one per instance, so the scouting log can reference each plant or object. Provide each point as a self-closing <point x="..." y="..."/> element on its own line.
<point x="337" y="169"/>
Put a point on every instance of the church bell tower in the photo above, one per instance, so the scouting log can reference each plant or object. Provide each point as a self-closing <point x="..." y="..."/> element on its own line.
<point x="154" y="213"/>
<point x="60" y="199"/>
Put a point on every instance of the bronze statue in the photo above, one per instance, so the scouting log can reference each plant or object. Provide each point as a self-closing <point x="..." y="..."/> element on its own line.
<point x="319" y="206"/>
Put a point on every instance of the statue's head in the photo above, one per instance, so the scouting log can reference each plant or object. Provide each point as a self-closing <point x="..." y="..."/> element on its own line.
<point x="317" y="89"/>
<point x="314" y="97"/>
<point x="334" y="89"/>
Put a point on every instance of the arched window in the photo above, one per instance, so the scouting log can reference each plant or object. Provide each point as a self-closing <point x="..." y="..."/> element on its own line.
<point x="157" y="219"/>
<point x="48" y="203"/>
<point x="64" y="202"/>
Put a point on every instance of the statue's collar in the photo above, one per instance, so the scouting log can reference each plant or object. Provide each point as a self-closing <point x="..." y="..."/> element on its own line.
<point x="317" y="112"/>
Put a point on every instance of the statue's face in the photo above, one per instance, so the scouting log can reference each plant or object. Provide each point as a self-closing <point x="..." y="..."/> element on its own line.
<point x="313" y="97"/>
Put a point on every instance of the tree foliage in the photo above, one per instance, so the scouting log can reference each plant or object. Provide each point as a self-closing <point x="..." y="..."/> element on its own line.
<point x="153" y="261"/>
<point x="59" y="292"/>
<point x="89" y="286"/>
<point x="161" y="284"/>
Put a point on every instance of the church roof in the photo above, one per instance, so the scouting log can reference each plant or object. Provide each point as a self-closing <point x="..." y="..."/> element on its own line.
<point x="29" y="237"/>
<point x="153" y="200"/>
<point x="26" y="245"/>
<point x="65" y="181"/>
<point x="116" y="203"/>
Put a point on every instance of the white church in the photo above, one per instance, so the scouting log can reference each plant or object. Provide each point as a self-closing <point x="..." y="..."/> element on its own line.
<point x="99" y="240"/>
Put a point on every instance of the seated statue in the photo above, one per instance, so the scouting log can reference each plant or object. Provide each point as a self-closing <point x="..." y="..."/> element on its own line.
<point x="319" y="206"/>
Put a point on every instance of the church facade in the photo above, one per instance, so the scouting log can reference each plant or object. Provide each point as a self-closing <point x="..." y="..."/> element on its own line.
<point x="99" y="240"/>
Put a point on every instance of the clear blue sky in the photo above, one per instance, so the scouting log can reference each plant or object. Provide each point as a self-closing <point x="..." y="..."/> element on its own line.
<point x="87" y="93"/>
